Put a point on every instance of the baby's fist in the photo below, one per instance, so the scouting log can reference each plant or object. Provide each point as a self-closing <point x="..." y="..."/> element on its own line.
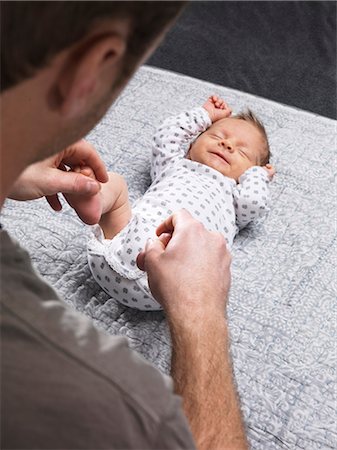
<point x="270" y="170"/>
<point x="217" y="108"/>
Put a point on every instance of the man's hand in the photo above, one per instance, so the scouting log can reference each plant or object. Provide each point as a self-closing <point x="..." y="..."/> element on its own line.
<point x="55" y="175"/>
<point x="188" y="269"/>
<point x="183" y="263"/>
<point x="217" y="108"/>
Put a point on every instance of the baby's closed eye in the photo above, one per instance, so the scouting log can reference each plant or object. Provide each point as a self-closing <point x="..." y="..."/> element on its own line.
<point x="215" y="136"/>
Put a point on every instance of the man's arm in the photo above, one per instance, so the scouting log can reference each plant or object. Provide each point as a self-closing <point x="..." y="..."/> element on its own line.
<point x="202" y="374"/>
<point x="189" y="274"/>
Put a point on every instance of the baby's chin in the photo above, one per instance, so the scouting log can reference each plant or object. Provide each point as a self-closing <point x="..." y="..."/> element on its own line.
<point x="224" y="170"/>
<point x="216" y="167"/>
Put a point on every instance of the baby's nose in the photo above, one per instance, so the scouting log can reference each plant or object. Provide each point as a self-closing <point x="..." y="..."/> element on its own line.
<point x="228" y="146"/>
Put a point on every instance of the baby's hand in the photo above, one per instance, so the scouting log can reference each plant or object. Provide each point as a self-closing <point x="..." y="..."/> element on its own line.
<point x="217" y="108"/>
<point x="270" y="170"/>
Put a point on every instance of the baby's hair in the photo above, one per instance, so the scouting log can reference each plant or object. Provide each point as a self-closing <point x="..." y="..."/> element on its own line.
<point x="249" y="116"/>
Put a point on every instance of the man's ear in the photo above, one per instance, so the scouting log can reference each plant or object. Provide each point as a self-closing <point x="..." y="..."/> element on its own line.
<point x="89" y="72"/>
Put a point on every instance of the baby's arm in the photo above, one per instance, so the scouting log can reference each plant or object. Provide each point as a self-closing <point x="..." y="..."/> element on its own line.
<point x="112" y="203"/>
<point x="251" y="195"/>
<point x="173" y="138"/>
<point x="217" y="108"/>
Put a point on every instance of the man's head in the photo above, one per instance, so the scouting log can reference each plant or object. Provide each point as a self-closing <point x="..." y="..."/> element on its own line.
<point x="32" y="33"/>
<point x="232" y="145"/>
<point x="62" y="65"/>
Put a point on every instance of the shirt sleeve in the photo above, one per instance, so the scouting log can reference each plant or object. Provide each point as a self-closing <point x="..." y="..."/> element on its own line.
<point x="174" y="430"/>
<point x="172" y="140"/>
<point x="67" y="383"/>
<point x="251" y="195"/>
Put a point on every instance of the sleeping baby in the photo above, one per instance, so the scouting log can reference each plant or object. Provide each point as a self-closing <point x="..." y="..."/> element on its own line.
<point x="207" y="161"/>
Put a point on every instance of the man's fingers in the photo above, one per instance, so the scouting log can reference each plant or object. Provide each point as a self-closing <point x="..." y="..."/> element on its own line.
<point x="54" y="202"/>
<point x="165" y="239"/>
<point x="82" y="153"/>
<point x="73" y="183"/>
<point x="173" y="221"/>
<point x="167" y="226"/>
<point x="153" y="249"/>
<point x="140" y="261"/>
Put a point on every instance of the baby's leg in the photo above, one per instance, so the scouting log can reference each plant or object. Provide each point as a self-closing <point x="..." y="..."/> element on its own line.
<point x="132" y="293"/>
<point x="88" y="208"/>
<point x="111" y="205"/>
<point x="116" y="209"/>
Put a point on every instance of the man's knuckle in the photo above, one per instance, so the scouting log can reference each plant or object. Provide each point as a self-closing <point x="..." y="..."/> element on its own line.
<point x="198" y="226"/>
<point x="218" y="238"/>
<point x="77" y="183"/>
<point x="182" y="213"/>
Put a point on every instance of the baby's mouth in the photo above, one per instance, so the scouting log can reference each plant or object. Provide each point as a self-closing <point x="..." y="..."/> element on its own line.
<point x="220" y="155"/>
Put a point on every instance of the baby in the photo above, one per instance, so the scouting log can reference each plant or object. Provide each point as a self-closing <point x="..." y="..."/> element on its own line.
<point x="211" y="163"/>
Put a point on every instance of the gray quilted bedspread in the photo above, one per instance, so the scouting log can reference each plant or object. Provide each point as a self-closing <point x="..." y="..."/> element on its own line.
<point x="282" y="306"/>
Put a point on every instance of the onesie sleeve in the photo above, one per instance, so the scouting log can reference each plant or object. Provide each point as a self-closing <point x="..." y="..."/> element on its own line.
<point x="251" y="195"/>
<point x="172" y="140"/>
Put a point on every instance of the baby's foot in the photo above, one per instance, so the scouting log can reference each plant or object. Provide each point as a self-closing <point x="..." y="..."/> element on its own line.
<point x="88" y="208"/>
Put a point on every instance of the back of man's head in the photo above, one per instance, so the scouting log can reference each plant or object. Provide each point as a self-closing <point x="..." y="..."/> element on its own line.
<point x="32" y="33"/>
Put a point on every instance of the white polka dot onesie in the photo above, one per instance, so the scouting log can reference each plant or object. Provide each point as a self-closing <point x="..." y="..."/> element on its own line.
<point x="215" y="200"/>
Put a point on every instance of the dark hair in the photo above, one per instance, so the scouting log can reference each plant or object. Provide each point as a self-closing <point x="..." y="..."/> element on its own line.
<point x="33" y="32"/>
<point x="250" y="117"/>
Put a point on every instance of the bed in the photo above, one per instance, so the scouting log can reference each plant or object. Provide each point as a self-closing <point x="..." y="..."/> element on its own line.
<point x="282" y="305"/>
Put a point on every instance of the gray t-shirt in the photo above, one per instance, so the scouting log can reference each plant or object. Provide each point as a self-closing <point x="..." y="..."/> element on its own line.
<point x="65" y="384"/>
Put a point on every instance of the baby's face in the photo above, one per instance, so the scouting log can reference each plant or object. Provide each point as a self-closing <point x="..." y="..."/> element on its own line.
<point x="230" y="146"/>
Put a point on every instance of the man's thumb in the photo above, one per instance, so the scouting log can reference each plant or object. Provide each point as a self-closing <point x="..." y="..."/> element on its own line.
<point x="76" y="183"/>
<point x="153" y="249"/>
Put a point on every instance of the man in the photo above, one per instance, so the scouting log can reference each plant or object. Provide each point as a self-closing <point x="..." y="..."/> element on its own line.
<point x="65" y="384"/>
